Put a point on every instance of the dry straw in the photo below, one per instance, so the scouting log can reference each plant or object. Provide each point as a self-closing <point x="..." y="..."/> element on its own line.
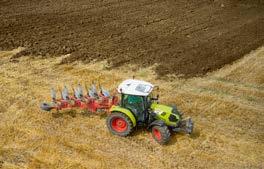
<point x="227" y="107"/>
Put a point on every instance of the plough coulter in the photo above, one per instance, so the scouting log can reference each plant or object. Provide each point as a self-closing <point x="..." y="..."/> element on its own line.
<point x="137" y="106"/>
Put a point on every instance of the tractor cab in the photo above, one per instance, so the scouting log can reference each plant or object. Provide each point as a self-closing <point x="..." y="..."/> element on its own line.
<point x="135" y="96"/>
<point x="138" y="107"/>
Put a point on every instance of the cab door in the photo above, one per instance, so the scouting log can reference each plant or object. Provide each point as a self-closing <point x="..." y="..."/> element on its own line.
<point x="136" y="105"/>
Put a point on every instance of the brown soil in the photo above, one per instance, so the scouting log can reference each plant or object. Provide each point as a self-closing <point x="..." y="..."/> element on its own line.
<point x="183" y="37"/>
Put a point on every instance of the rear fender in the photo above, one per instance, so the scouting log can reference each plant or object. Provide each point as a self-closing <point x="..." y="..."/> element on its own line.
<point x="126" y="112"/>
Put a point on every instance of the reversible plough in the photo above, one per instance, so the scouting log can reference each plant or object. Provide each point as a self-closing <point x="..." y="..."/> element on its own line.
<point x="92" y="100"/>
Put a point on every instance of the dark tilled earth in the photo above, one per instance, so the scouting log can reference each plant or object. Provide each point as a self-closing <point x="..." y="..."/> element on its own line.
<point x="187" y="38"/>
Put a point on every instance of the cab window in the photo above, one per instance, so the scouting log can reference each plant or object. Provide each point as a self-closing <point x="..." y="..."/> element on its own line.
<point x="135" y="103"/>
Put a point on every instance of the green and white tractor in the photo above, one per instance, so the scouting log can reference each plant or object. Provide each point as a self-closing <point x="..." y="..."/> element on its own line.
<point x="138" y="107"/>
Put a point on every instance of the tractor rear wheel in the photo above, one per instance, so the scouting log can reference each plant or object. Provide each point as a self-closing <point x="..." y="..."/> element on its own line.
<point x="161" y="134"/>
<point x="119" y="124"/>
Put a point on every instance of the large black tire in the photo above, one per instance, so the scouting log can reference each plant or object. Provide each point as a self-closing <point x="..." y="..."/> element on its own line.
<point x="161" y="134"/>
<point x="119" y="124"/>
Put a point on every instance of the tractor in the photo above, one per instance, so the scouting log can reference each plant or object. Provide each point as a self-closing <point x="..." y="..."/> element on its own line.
<point x="139" y="107"/>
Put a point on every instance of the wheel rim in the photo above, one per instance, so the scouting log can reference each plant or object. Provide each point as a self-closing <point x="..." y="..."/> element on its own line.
<point x="119" y="124"/>
<point x="157" y="134"/>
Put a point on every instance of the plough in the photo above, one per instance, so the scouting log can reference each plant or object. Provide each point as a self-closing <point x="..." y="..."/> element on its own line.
<point x="92" y="100"/>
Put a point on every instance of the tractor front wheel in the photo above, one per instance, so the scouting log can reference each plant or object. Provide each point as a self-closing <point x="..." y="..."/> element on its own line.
<point x="161" y="134"/>
<point x="119" y="124"/>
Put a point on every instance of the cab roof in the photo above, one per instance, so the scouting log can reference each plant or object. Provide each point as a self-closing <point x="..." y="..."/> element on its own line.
<point x="135" y="87"/>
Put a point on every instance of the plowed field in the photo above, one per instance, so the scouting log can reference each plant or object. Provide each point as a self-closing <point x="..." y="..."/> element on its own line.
<point x="186" y="38"/>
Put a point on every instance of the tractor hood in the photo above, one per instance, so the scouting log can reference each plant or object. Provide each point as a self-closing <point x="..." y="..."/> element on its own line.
<point x="166" y="114"/>
<point x="159" y="108"/>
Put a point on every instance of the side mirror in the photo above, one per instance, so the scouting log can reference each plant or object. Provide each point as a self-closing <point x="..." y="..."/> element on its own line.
<point x="155" y="98"/>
